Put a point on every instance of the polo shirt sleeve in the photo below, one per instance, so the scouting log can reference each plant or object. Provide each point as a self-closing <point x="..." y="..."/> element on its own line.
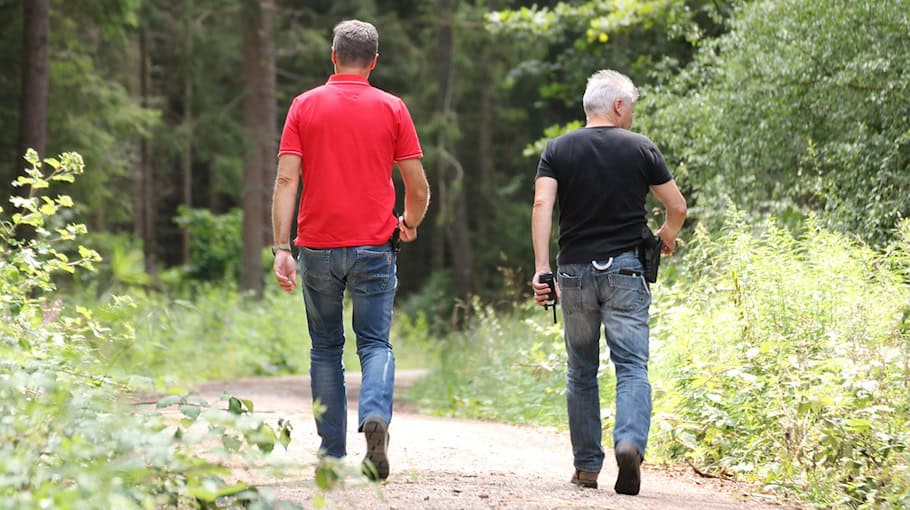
<point x="407" y="145"/>
<point x="658" y="173"/>
<point x="290" y="136"/>
<point x="546" y="166"/>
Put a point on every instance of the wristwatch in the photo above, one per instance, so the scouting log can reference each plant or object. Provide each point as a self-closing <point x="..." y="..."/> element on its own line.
<point x="282" y="247"/>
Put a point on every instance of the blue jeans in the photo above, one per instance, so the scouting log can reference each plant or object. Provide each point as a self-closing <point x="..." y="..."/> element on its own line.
<point x="369" y="274"/>
<point x="595" y="294"/>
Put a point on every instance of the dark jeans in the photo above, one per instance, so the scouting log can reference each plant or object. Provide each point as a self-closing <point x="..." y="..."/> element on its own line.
<point x="591" y="297"/>
<point x="369" y="274"/>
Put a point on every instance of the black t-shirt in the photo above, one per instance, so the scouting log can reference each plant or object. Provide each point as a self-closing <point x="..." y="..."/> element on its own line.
<point x="603" y="176"/>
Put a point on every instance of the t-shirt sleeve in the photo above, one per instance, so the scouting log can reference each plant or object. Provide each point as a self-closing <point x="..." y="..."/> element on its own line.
<point x="407" y="146"/>
<point x="290" y="135"/>
<point x="658" y="173"/>
<point x="546" y="168"/>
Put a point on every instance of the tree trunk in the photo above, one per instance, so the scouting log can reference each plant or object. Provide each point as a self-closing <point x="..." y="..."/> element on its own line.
<point x="259" y="117"/>
<point x="187" y="156"/>
<point x="452" y="206"/>
<point x="33" y="105"/>
<point x="145" y="199"/>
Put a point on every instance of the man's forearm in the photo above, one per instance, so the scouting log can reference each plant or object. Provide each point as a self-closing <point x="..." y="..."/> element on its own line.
<point x="676" y="216"/>
<point x="282" y="212"/>
<point x="416" y="201"/>
<point x="542" y="221"/>
<point x="283" y="198"/>
<point x="541" y="226"/>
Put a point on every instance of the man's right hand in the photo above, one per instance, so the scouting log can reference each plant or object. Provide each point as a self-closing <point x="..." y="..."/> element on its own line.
<point x="285" y="270"/>
<point x="408" y="235"/>
<point x="669" y="240"/>
<point x="542" y="290"/>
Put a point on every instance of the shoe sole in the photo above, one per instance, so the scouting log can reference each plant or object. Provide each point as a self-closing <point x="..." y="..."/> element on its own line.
<point x="629" y="479"/>
<point x="376" y="433"/>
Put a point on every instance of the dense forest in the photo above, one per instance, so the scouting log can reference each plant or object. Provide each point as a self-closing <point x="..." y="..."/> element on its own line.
<point x="180" y="103"/>
<point x="786" y="124"/>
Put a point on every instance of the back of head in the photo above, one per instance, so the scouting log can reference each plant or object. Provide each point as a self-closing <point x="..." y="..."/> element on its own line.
<point x="355" y="42"/>
<point x="603" y="88"/>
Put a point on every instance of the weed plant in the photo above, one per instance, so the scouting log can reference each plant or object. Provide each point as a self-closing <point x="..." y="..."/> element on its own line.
<point x="777" y="358"/>
<point x="65" y="440"/>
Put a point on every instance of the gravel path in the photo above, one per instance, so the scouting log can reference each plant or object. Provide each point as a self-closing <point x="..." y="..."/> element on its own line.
<point x="440" y="463"/>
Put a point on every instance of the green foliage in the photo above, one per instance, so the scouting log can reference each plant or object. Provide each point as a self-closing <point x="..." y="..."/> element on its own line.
<point x="776" y="359"/>
<point x="218" y="333"/>
<point x="215" y="243"/>
<point x="801" y="107"/>
<point x="510" y="369"/>
<point x="786" y="363"/>
<point x="632" y="36"/>
<point x="64" y="441"/>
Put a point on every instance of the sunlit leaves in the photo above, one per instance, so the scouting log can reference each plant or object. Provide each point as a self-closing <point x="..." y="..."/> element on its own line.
<point x="71" y="443"/>
<point x="783" y="356"/>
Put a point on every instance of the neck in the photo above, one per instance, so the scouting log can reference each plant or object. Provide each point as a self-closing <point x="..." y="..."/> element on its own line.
<point x="360" y="71"/>
<point x="600" y="122"/>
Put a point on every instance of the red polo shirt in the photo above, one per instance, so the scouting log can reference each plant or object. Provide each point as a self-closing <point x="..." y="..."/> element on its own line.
<point x="348" y="134"/>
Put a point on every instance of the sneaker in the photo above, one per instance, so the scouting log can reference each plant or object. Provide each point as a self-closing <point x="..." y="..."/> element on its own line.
<point x="629" y="461"/>
<point x="376" y="463"/>
<point x="585" y="479"/>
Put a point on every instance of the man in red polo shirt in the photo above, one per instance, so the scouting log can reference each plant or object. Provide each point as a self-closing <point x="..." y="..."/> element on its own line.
<point x="343" y="139"/>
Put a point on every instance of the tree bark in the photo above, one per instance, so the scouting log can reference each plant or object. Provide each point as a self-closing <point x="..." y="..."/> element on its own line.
<point x="35" y="71"/>
<point x="187" y="156"/>
<point x="452" y="206"/>
<point x="259" y="116"/>
<point x="145" y="198"/>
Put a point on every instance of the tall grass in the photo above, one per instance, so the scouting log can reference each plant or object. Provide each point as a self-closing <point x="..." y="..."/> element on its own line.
<point x="778" y="358"/>
<point x="787" y="362"/>
<point x="221" y="333"/>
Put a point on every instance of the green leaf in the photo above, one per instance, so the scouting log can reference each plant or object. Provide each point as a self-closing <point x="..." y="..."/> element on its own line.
<point x="168" y="401"/>
<point x="231" y="443"/>
<point x="248" y="404"/>
<point x="264" y="437"/>
<point x="235" y="406"/>
<point x="284" y="432"/>
<point x="190" y="411"/>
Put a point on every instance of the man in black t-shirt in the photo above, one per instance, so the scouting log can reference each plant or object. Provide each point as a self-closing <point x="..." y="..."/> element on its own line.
<point x="600" y="175"/>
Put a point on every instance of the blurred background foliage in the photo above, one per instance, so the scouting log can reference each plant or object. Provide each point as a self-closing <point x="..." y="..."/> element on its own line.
<point x="779" y="330"/>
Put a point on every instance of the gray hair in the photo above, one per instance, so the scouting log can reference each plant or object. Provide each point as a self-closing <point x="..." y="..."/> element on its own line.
<point x="603" y="88"/>
<point x="355" y="42"/>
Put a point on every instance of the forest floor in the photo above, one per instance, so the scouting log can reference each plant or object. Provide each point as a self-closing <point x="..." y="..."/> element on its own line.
<point x="446" y="463"/>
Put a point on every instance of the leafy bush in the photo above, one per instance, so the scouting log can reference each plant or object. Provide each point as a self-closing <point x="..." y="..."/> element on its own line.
<point x="776" y="358"/>
<point x="802" y="106"/>
<point x="64" y="440"/>
<point x="510" y="368"/>
<point x="784" y="361"/>
<point x="215" y="243"/>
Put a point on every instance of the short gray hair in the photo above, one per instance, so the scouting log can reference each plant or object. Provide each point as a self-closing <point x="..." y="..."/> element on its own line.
<point x="603" y="88"/>
<point x="355" y="42"/>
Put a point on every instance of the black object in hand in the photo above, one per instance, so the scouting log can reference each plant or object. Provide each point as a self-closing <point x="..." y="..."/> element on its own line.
<point x="651" y="247"/>
<point x="551" y="297"/>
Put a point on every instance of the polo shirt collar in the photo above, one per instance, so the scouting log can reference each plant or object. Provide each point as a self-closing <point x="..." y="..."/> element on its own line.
<point x="348" y="78"/>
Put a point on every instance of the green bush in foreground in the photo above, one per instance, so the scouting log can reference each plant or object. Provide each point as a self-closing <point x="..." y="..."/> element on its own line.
<point x="786" y="362"/>
<point x="776" y="359"/>
<point x="65" y="442"/>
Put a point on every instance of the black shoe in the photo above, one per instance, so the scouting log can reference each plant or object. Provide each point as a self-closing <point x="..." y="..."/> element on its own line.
<point x="629" y="461"/>
<point x="376" y="462"/>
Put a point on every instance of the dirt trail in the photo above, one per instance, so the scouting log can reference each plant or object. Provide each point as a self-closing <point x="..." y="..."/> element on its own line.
<point x="440" y="463"/>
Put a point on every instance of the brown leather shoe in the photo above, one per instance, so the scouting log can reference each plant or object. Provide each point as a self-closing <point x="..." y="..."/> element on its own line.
<point x="629" y="461"/>
<point x="585" y="479"/>
<point x="376" y="462"/>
